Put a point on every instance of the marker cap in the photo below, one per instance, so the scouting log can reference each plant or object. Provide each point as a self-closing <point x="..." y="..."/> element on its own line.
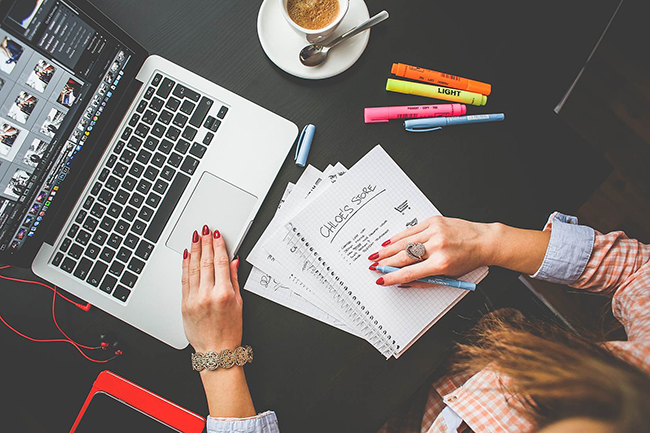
<point x="375" y="115"/>
<point x="398" y="69"/>
<point x="304" y="145"/>
<point x="398" y="86"/>
<point x="478" y="87"/>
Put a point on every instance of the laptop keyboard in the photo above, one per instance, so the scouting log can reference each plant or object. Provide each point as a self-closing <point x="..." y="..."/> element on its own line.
<point x="124" y="213"/>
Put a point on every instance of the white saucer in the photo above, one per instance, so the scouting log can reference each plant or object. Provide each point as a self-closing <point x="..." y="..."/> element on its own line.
<point x="282" y="45"/>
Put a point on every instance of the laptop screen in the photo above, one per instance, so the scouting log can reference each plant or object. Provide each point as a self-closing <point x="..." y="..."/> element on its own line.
<point x="58" y="71"/>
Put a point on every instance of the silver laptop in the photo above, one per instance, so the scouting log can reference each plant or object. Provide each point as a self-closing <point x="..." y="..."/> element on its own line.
<point x="110" y="158"/>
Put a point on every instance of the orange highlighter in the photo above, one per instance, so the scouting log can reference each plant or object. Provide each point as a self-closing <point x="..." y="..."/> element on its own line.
<point x="440" y="78"/>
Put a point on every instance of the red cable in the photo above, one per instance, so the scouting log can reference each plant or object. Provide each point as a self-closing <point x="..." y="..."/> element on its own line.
<point x="56" y="292"/>
<point x="61" y="330"/>
<point x="36" y="340"/>
<point x="76" y="345"/>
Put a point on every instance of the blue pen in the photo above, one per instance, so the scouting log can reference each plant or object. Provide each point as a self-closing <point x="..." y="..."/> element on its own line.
<point x="304" y="145"/>
<point x="433" y="123"/>
<point x="434" y="280"/>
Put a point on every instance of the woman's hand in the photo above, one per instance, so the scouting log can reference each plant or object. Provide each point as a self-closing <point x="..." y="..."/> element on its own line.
<point x="212" y="304"/>
<point x="453" y="247"/>
<point x="212" y="318"/>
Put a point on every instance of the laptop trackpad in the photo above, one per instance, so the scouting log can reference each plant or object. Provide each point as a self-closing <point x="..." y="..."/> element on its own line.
<point x="220" y="205"/>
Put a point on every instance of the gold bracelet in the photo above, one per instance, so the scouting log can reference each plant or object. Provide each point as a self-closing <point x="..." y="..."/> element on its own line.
<point x="225" y="359"/>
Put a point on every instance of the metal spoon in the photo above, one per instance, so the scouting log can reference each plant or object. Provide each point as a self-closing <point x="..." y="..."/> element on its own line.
<point x="314" y="55"/>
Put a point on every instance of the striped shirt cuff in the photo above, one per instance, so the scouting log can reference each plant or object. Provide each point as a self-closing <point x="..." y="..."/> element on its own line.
<point x="265" y="422"/>
<point x="568" y="252"/>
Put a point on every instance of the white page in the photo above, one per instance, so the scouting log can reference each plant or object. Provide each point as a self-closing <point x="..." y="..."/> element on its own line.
<point x="268" y="287"/>
<point x="271" y="288"/>
<point x="305" y="193"/>
<point x="296" y="202"/>
<point x="308" y="183"/>
<point x="348" y="222"/>
<point x="307" y="188"/>
<point x="285" y="195"/>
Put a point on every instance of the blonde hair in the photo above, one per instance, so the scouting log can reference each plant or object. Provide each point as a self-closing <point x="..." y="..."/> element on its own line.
<point x="555" y="374"/>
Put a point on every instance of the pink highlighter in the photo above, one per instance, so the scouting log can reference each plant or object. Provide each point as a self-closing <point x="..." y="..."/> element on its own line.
<point x="383" y="114"/>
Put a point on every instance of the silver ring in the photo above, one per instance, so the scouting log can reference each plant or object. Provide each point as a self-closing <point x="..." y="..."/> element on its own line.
<point x="416" y="251"/>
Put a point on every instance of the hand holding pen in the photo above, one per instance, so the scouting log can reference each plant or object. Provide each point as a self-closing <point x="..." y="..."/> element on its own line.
<point x="435" y="280"/>
<point x="452" y="247"/>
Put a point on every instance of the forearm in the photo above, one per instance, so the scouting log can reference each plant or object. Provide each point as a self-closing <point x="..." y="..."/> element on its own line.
<point x="227" y="393"/>
<point x="515" y="249"/>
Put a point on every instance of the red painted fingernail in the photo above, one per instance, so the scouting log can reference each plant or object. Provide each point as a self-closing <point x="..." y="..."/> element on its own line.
<point x="217" y="235"/>
<point x="185" y="254"/>
<point x="380" y="281"/>
<point x="206" y="230"/>
<point x="373" y="256"/>
<point x="373" y="267"/>
<point x="385" y="244"/>
<point x="195" y="236"/>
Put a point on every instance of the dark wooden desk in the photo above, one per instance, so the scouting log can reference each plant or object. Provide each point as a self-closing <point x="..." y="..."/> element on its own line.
<point x="315" y="377"/>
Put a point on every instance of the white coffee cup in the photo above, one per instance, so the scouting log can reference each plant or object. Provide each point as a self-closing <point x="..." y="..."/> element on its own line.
<point x="316" y="35"/>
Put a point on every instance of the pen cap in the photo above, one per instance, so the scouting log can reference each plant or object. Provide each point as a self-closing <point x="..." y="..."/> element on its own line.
<point x="424" y="125"/>
<point x="304" y="145"/>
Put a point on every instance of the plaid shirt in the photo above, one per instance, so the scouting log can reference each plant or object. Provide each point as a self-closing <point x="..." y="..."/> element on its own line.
<point x="579" y="256"/>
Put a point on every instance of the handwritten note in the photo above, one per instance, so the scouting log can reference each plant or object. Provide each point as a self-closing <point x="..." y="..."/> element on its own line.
<point x="326" y="245"/>
<point x="272" y="281"/>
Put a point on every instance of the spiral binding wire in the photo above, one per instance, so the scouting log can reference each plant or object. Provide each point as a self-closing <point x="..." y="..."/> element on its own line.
<point x="377" y="335"/>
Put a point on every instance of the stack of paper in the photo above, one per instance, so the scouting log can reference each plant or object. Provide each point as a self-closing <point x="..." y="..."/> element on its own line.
<point x="312" y="257"/>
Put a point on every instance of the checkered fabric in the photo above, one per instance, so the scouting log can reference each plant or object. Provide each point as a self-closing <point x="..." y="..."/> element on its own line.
<point x="618" y="267"/>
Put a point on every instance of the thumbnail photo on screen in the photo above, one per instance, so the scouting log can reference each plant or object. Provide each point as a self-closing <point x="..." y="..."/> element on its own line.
<point x="17" y="183"/>
<point x="10" y="52"/>
<point x="69" y="93"/>
<point x="22" y="107"/>
<point x="52" y="123"/>
<point x="8" y="136"/>
<point x="40" y="77"/>
<point x="35" y="153"/>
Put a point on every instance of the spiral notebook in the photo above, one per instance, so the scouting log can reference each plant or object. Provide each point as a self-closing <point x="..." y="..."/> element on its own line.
<point x="326" y="246"/>
<point x="270" y="279"/>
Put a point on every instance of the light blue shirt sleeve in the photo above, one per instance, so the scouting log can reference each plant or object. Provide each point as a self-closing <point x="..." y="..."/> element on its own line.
<point x="568" y="252"/>
<point x="265" y="422"/>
